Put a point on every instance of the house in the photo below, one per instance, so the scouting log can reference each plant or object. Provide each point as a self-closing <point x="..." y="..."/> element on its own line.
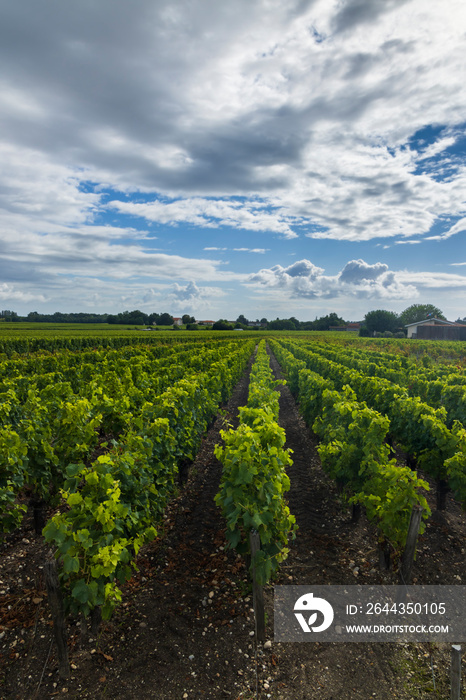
<point x="435" y="329"/>
<point x="177" y="321"/>
<point x="353" y="325"/>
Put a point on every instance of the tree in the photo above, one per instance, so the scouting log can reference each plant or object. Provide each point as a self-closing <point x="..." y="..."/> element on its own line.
<point x="419" y="312"/>
<point x="242" y="319"/>
<point x="165" y="319"/>
<point x="186" y="318"/>
<point x="380" y="321"/>
<point x="222" y="325"/>
<point x="9" y="315"/>
<point x="282" y="324"/>
<point x="324" y="322"/>
<point x="133" y="318"/>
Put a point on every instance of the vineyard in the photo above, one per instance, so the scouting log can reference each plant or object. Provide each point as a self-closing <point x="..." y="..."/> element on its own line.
<point x="134" y="469"/>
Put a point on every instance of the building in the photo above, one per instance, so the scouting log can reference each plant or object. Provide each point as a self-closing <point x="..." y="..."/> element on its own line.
<point x="436" y="329"/>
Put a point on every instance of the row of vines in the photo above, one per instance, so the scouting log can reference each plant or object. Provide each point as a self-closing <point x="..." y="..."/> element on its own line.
<point x="101" y="436"/>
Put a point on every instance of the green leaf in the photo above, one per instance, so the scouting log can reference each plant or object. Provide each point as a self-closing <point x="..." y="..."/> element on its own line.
<point x="81" y="592"/>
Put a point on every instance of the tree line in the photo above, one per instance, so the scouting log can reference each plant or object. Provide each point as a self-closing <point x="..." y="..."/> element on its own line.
<point x="375" y="322"/>
<point x="390" y="323"/>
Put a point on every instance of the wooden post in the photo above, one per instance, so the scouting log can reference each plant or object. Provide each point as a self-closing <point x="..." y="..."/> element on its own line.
<point x="410" y="548"/>
<point x="442" y="491"/>
<point x="39" y="514"/>
<point x="56" y="607"/>
<point x="384" y="555"/>
<point x="96" y="619"/>
<point x="455" y="674"/>
<point x="355" y="513"/>
<point x="257" y="590"/>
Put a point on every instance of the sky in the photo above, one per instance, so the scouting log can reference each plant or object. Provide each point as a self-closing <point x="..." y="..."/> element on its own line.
<point x="254" y="157"/>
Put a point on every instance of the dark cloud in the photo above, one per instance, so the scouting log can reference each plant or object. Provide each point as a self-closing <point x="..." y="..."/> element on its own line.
<point x="357" y="12"/>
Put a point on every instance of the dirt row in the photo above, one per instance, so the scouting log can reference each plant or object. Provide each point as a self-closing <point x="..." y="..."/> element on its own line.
<point x="186" y="628"/>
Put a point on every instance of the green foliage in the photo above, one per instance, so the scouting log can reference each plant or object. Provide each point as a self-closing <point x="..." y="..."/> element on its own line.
<point x="353" y="449"/>
<point x="352" y="438"/>
<point x="381" y="321"/>
<point x="254" y="479"/>
<point x="421" y="423"/>
<point x="101" y="531"/>
<point x="222" y="325"/>
<point x="388" y="496"/>
<point x="113" y="506"/>
<point x="252" y="487"/>
<point x="283" y="324"/>
<point x="456" y="465"/>
<point x="323" y="323"/>
<point x="12" y="463"/>
<point x="419" y="312"/>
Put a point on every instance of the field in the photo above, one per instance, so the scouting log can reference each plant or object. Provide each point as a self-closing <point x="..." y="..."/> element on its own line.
<point x="124" y="444"/>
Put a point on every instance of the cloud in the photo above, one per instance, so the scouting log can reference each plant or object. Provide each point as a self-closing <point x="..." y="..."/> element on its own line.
<point x="357" y="279"/>
<point x="210" y="213"/>
<point x="407" y="242"/>
<point x="204" y="102"/>
<point x="438" y="147"/>
<point x="188" y="293"/>
<point x="359" y="12"/>
<point x="459" y="227"/>
<point x="193" y="297"/>
<point x="357" y="271"/>
<point x="240" y="250"/>
<point x="10" y="294"/>
<point x="433" y="280"/>
<point x="260" y="251"/>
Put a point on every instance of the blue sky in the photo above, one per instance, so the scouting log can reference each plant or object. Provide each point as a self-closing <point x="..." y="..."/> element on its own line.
<point x="254" y="157"/>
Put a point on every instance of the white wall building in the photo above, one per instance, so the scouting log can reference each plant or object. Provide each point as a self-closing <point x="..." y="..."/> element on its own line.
<point x="412" y="327"/>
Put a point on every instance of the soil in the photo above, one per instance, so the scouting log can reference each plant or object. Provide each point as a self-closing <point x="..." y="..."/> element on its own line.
<point x="185" y="628"/>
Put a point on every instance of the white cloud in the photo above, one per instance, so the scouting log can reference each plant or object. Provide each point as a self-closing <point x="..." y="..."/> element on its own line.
<point x="433" y="280"/>
<point x="8" y="293"/>
<point x="193" y="298"/>
<point x="240" y="250"/>
<point x="459" y="227"/>
<point x="260" y="251"/>
<point x="436" y="148"/>
<point x="357" y="279"/>
<point x="210" y="213"/>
